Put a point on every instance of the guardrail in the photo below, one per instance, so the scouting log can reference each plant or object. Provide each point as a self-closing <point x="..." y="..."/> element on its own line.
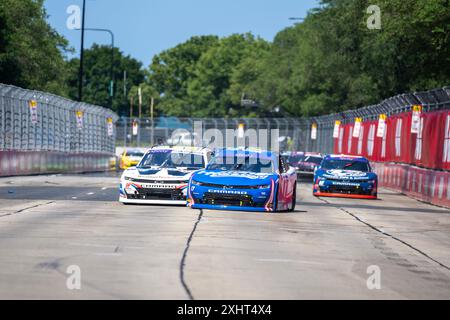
<point x="44" y="133"/>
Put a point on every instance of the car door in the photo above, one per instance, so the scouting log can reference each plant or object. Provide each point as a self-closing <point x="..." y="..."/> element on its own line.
<point x="284" y="192"/>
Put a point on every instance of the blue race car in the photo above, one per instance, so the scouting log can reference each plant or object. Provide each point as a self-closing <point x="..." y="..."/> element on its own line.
<point x="345" y="177"/>
<point x="244" y="180"/>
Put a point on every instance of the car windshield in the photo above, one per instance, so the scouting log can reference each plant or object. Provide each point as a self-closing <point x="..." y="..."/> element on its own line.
<point x="315" y="160"/>
<point x="340" y="164"/>
<point x="296" y="158"/>
<point x="136" y="154"/>
<point x="241" y="163"/>
<point x="168" y="159"/>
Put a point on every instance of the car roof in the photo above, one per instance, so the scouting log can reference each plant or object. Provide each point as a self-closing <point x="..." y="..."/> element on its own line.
<point x="181" y="149"/>
<point x="246" y="152"/>
<point x="346" y="157"/>
<point x="313" y="154"/>
<point x="297" y="153"/>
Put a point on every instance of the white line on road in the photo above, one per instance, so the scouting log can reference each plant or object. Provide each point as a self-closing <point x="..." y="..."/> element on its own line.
<point x="288" y="261"/>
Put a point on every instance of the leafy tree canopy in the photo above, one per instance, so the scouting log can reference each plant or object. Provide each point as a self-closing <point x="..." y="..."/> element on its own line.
<point x="31" y="52"/>
<point x="97" y="77"/>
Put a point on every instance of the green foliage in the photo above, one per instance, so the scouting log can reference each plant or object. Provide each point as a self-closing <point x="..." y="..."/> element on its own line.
<point x="173" y="70"/>
<point x="329" y="63"/>
<point x="333" y="62"/>
<point x="97" y="77"/>
<point x="147" y="92"/>
<point x="206" y="76"/>
<point x="30" y="50"/>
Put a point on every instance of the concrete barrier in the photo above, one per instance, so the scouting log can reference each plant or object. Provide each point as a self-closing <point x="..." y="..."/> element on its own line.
<point x="426" y="185"/>
<point x="16" y="163"/>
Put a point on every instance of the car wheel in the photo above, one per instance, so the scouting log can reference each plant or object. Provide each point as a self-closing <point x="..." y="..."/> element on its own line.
<point x="294" y="199"/>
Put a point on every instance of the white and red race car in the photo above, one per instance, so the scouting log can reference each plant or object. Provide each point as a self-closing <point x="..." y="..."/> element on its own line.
<point x="162" y="176"/>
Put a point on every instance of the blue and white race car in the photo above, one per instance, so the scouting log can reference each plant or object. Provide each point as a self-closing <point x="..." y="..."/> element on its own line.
<point x="162" y="176"/>
<point x="244" y="180"/>
<point x="345" y="177"/>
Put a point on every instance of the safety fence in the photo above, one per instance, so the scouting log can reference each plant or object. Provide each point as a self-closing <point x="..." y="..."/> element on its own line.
<point x="44" y="133"/>
<point x="133" y="132"/>
<point x="409" y="128"/>
<point x="407" y="138"/>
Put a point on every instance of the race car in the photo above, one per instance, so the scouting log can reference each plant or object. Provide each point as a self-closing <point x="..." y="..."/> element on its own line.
<point x="130" y="158"/>
<point x="162" y="175"/>
<point x="345" y="177"/>
<point x="244" y="180"/>
<point x="305" y="162"/>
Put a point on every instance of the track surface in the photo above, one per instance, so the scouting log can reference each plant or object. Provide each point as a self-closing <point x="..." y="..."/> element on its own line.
<point x="321" y="251"/>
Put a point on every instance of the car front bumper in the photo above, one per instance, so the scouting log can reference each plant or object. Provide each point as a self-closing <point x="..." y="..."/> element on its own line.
<point x="228" y="208"/>
<point x="346" y="189"/>
<point x="153" y="201"/>
<point x="344" y="195"/>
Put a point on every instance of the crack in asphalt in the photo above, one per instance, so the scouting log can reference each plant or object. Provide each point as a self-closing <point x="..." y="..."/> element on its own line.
<point x="185" y="254"/>
<point x="387" y="234"/>
<point x="26" y="209"/>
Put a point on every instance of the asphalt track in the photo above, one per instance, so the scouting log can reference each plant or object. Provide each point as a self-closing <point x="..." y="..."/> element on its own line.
<point x="321" y="251"/>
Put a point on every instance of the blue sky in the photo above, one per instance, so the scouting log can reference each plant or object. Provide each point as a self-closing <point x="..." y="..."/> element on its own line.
<point x="144" y="28"/>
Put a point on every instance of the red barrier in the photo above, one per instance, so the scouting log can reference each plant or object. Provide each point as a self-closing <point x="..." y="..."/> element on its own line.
<point x="430" y="148"/>
<point x="423" y="184"/>
<point x="400" y="155"/>
<point x="16" y="163"/>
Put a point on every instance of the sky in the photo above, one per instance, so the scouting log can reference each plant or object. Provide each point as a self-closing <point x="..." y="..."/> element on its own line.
<point x="143" y="28"/>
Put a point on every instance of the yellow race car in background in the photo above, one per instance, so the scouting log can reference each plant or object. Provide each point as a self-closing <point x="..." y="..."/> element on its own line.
<point x="130" y="158"/>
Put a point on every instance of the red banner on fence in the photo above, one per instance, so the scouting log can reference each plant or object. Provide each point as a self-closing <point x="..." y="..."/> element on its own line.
<point x="427" y="146"/>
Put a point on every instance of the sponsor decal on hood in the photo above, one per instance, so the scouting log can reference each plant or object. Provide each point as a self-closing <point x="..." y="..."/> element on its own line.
<point x="347" y="175"/>
<point x="235" y="174"/>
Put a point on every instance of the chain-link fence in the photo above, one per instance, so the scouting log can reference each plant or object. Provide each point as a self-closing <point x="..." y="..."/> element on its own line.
<point x="37" y="121"/>
<point x="147" y="132"/>
<point x="294" y="133"/>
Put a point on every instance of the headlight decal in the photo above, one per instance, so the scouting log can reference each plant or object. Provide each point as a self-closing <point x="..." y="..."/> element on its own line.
<point x="190" y="198"/>
<point x="269" y="204"/>
<point x="197" y="183"/>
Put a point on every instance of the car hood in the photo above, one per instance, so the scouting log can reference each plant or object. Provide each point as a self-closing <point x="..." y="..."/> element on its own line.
<point x="346" y="174"/>
<point x="236" y="178"/>
<point x="158" y="173"/>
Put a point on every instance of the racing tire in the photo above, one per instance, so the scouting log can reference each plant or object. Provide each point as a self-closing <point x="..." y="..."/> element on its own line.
<point x="294" y="199"/>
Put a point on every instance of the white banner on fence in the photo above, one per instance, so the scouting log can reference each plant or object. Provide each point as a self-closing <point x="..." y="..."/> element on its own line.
<point x="110" y="125"/>
<point x="337" y="125"/>
<point x="33" y="111"/>
<point x="381" y="126"/>
<point x="79" y="116"/>
<point x="314" y="131"/>
<point x="357" y="128"/>
<point x="415" y="122"/>
<point x="135" y="128"/>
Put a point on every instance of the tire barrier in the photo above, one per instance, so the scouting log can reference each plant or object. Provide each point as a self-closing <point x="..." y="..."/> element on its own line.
<point x="426" y="185"/>
<point x="17" y="163"/>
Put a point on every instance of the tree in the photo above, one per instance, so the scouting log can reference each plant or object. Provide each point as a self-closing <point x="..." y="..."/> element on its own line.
<point x="31" y="52"/>
<point x="148" y="93"/>
<point x="172" y="70"/>
<point x="210" y="91"/>
<point x="97" y="77"/>
<point x="333" y="62"/>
